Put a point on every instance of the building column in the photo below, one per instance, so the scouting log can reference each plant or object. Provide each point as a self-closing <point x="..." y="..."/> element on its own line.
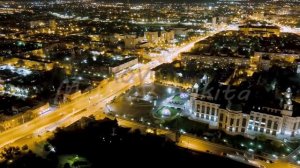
<point x="210" y="108"/>
<point x="272" y="125"/>
<point x="296" y="129"/>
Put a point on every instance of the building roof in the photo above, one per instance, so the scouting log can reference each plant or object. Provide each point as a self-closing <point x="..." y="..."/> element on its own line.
<point x="259" y="26"/>
<point x="266" y="110"/>
<point x="234" y="107"/>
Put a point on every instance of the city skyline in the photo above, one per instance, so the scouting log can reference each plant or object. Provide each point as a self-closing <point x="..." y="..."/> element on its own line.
<point x="194" y="80"/>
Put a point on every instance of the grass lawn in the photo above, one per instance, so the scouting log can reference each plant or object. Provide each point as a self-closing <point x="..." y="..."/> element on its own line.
<point x="177" y="98"/>
<point x="187" y="125"/>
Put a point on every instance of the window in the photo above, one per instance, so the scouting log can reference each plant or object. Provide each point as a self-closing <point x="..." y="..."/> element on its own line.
<point x="255" y="128"/>
<point x="274" y="133"/>
<point x="220" y="125"/>
<point x="237" y="122"/>
<point x="250" y="128"/>
<point x="202" y="109"/>
<point x="251" y="117"/>
<point x="231" y="121"/>
<point x="269" y="123"/>
<point x="263" y="120"/>
<point x="268" y="131"/>
<point x="243" y="130"/>
<point x="221" y="117"/>
<point x="213" y="111"/>
<point x="244" y="122"/>
<point x="207" y="110"/>
<point x="261" y="130"/>
<point x="275" y="125"/>
<point x="198" y="107"/>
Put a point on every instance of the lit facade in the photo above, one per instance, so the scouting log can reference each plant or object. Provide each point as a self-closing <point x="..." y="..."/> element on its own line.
<point x="258" y="30"/>
<point x="152" y="37"/>
<point x="274" y="123"/>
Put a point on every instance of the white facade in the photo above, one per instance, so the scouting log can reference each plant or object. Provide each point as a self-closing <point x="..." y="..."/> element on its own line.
<point x="123" y="66"/>
<point x="275" y="123"/>
<point x="206" y="112"/>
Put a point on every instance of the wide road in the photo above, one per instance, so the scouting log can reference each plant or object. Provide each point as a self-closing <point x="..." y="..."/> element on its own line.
<point x="89" y="102"/>
<point x="204" y="146"/>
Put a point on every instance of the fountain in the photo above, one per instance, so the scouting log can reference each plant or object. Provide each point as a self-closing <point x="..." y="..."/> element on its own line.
<point x="166" y="112"/>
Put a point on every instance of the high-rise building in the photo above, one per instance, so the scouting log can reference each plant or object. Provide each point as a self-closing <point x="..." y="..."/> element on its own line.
<point x="214" y="21"/>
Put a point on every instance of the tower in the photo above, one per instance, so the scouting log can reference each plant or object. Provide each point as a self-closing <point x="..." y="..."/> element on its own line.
<point x="288" y="100"/>
<point x="195" y="88"/>
<point x="287" y="123"/>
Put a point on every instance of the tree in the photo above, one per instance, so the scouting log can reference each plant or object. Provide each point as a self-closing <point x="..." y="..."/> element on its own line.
<point x="261" y="137"/>
<point x="25" y="147"/>
<point x="10" y="153"/>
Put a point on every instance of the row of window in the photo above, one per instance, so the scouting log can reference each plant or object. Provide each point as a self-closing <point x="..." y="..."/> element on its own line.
<point x="244" y="121"/>
<point x="208" y="110"/>
<point x="205" y="116"/>
<point x="263" y="122"/>
<point x="262" y="130"/>
<point x="232" y="129"/>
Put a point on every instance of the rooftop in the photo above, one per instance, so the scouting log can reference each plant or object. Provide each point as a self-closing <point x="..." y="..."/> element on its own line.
<point x="259" y="26"/>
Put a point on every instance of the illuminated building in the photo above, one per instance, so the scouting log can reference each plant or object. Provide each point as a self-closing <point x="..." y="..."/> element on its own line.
<point x="167" y="36"/>
<point x="152" y="37"/>
<point x="259" y="30"/>
<point x="280" y="123"/>
<point x="52" y="24"/>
